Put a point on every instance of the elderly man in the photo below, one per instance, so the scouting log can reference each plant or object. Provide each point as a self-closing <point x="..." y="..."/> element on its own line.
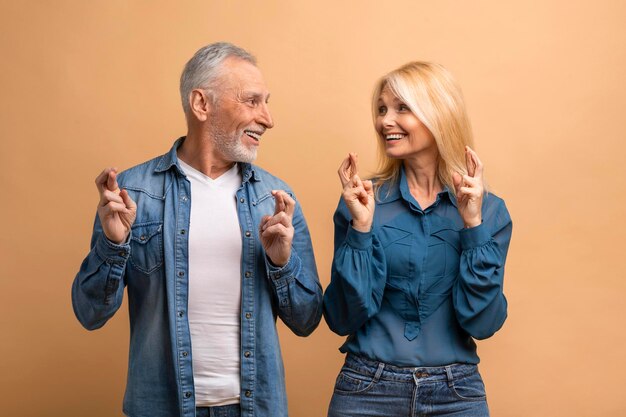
<point x="211" y="250"/>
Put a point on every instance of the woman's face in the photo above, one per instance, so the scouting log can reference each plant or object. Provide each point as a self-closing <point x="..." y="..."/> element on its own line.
<point x="404" y="135"/>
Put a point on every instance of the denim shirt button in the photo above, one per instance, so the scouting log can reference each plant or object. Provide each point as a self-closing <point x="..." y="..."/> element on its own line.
<point x="248" y="233"/>
<point x="248" y="315"/>
<point x="184" y="198"/>
<point x="248" y="274"/>
<point x="248" y="394"/>
<point x="183" y="231"/>
<point x="181" y="313"/>
<point x="242" y="200"/>
<point x="188" y="394"/>
<point x="181" y="273"/>
<point x="185" y="354"/>
<point x="247" y="354"/>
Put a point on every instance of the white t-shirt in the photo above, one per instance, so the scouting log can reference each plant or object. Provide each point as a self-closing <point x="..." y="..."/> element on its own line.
<point x="214" y="286"/>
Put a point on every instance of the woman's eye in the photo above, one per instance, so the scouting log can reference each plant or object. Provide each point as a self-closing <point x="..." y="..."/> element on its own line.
<point x="382" y="110"/>
<point x="403" y="107"/>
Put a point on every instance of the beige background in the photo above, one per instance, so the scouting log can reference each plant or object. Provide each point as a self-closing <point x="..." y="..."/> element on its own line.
<point x="86" y="84"/>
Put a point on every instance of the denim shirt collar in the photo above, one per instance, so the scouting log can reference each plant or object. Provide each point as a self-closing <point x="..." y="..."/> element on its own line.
<point x="170" y="159"/>
<point x="391" y="192"/>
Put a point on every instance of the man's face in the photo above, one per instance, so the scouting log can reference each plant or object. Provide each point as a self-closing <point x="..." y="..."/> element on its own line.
<point x="240" y="114"/>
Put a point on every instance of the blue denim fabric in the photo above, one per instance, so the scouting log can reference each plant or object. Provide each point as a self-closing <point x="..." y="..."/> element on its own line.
<point x="419" y="287"/>
<point x="221" y="411"/>
<point x="369" y="388"/>
<point x="153" y="266"/>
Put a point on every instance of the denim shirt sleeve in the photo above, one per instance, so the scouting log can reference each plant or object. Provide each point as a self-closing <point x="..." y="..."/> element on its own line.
<point x="98" y="288"/>
<point x="358" y="276"/>
<point x="296" y="284"/>
<point x="479" y="301"/>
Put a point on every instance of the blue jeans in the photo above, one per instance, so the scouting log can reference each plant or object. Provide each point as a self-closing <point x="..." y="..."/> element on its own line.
<point x="221" y="411"/>
<point x="369" y="388"/>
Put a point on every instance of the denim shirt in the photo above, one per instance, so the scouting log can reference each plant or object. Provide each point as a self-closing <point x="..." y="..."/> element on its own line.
<point x="417" y="288"/>
<point x="153" y="266"/>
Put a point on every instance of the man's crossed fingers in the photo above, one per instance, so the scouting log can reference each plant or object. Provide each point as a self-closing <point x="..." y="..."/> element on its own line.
<point x="110" y="194"/>
<point x="284" y="208"/>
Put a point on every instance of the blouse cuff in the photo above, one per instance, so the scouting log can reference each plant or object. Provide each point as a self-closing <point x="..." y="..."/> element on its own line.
<point x="474" y="237"/>
<point x="359" y="240"/>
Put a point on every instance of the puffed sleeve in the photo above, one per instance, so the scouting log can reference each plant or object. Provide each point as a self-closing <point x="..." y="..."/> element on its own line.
<point x="358" y="276"/>
<point x="479" y="301"/>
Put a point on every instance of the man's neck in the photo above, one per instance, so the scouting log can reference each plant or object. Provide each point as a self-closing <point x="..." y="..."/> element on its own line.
<point x="199" y="153"/>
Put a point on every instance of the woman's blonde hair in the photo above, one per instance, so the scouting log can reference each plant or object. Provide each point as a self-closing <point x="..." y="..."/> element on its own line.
<point x="433" y="95"/>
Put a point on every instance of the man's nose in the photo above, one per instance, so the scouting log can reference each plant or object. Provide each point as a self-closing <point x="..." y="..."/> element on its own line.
<point x="265" y="118"/>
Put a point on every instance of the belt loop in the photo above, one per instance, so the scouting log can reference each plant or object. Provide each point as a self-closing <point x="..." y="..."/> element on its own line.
<point x="449" y="374"/>
<point x="379" y="371"/>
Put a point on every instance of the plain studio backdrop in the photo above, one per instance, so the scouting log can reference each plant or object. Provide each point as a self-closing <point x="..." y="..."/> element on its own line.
<point x="90" y="84"/>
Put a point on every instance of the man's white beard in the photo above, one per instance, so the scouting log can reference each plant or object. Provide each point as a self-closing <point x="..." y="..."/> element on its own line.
<point x="231" y="147"/>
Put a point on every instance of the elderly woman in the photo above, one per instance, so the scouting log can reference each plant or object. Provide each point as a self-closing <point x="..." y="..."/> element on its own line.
<point x="419" y="258"/>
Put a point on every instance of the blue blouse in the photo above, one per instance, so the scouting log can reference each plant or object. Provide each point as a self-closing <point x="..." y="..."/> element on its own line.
<point x="417" y="288"/>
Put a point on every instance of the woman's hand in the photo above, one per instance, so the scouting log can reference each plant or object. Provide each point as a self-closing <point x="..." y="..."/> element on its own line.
<point x="470" y="189"/>
<point x="358" y="195"/>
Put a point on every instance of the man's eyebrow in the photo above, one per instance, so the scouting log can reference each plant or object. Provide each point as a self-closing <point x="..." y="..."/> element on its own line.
<point x="255" y="95"/>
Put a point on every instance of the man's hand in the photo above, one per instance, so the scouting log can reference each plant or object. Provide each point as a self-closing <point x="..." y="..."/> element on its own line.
<point x="116" y="210"/>
<point x="358" y="195"/>
<point x="277" y="231"/>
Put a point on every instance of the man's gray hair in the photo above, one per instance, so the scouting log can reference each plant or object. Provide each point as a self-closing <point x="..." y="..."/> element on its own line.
<point x="203" y="69"/>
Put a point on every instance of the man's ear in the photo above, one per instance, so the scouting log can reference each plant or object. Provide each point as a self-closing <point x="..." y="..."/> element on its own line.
<point x="200" y="104"/>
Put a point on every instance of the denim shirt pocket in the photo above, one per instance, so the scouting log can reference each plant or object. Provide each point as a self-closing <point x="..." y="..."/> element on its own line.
<point x="146" y="246"/>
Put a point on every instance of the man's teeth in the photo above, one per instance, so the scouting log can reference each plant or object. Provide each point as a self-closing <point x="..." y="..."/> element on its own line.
<point x="255" y="135"/>
<point x="395" y="136"/>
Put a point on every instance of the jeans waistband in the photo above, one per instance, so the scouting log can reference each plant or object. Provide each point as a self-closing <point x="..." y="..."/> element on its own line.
<point x="381" y="370"/>
<point x="219" y="411"/>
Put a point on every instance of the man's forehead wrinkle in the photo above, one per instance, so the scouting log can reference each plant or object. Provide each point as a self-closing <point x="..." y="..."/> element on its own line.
<point x="241" y="81"/>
